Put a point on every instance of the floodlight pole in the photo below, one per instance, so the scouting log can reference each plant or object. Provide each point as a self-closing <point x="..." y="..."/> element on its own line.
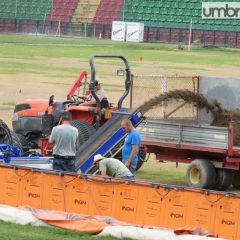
<point x="44" y="23"/>
<point x="190" y="35"/>
<point x="16" y="4"/>
<point x="52" y="9"/>
<point x="123" y="11"/>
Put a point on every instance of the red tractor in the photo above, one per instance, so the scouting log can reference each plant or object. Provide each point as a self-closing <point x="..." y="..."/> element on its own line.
<point x="33" y="120"/>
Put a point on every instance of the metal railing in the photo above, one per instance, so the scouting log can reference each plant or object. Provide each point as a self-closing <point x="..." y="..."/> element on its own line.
<point x="151" y="34"/>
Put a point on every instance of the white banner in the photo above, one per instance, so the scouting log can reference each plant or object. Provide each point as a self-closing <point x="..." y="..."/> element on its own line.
<point x="135" y="32"/>
<point x="118" y="31"/>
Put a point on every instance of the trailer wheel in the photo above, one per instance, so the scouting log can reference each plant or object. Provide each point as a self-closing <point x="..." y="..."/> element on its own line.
<point x="85" y="130"/>
<point x="224" y="179"/>
<point x="236" y="180"/>
<point x="201" y="174"/>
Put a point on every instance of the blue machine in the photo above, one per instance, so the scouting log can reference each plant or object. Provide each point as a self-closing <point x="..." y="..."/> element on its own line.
<point x="9" y="153"/>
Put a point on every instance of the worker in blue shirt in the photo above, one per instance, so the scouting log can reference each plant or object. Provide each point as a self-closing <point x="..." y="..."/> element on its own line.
<point x="131" y="145"/>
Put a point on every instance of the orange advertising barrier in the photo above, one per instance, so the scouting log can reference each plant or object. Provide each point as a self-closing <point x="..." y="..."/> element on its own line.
<point x="138" y="203"/>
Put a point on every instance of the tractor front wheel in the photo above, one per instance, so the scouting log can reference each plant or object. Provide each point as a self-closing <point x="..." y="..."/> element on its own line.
<point x="85" y="130"/>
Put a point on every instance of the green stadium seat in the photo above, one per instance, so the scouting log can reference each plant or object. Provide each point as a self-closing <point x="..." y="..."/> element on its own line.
<point x="152" y="12"/>
<point x="24" y="9"/>
<point x="178" y="12"/>
<point x="148" y="10"/>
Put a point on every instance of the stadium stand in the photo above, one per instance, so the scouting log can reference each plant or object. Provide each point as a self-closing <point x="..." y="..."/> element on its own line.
<point x="24" y="9"/>
<point x="108" y="11"/>
<point x="62" y="10"/>
<point x="21" y="15"/>
<point x="85" y="11"/>
<point x="60" y="15"/>
<point x="165" y="21"/>
<point x="84" y="14"/>
<point x="31" y="16"/>
<point x="168" y="21"/>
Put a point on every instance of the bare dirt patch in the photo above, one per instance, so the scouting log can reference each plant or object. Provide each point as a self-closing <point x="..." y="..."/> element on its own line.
<point x="20" y="86"/>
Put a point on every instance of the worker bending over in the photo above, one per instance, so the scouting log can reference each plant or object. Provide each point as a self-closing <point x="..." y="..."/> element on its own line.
<point x="65" y="143"/>
<point x="112" y="167"/>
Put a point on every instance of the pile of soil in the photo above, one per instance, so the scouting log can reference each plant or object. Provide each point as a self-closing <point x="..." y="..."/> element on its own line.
<point x="221" y="116"/>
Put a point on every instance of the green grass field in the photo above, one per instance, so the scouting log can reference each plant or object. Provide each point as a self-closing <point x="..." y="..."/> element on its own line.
<point x="9" y="231"/>
<point x="38" y="66"/>
<point x="22" y="47"/>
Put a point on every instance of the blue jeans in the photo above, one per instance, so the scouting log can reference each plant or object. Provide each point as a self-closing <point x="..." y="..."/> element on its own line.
<point x="67" y="165"/>
<point x="132" y="169"/>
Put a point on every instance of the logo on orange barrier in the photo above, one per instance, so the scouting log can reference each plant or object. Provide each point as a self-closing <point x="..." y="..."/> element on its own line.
<point x="176" y="215"/>
<point x="228" y="222"/>
<point x="33" y="195"/>
<point x="128" y="209"/>
<point x="80" y="202"/>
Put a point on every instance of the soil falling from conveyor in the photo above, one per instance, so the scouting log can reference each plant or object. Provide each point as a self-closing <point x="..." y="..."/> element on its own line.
<point x="197" y="100"/>
<point x="221" y="117"/>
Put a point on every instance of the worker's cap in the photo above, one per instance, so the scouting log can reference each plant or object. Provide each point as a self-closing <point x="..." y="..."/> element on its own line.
<point x="97" y="158"/>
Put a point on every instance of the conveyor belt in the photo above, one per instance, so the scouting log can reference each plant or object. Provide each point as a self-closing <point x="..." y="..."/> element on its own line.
<point x="105" y="139"/>
<point x="100" y="136"/>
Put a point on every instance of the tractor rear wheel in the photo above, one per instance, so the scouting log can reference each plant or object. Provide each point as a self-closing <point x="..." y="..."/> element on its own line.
<point x="85" y="130"/>
<point x="19" y="141"/>
<point x="236" y="180"/>
<point x="5" y="134"/>
<point x="201" y="174"/>
<point x="224" y="179"/>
